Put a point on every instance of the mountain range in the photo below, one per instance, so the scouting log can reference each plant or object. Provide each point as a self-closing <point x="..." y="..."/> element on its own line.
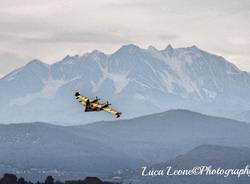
<point x="36" y="150"/>
<point x="136" y="81"/>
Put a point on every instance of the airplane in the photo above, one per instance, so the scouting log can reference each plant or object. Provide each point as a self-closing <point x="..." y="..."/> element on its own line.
<point x="94" y="105"/>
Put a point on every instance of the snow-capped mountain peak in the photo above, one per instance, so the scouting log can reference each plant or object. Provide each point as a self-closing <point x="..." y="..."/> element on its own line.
<point x="153" y="79"/>
<point x="35" y="62"/>
<point x="169" y="47"/>
<point x="128" y="49"/>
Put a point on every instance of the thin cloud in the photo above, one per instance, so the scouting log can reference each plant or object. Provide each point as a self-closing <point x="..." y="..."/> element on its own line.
<point x="51" y="29"/>
<point x="94" y="37"/>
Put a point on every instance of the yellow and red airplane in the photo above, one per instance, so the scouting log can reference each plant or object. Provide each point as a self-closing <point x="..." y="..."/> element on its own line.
<point x="94" y="105"/>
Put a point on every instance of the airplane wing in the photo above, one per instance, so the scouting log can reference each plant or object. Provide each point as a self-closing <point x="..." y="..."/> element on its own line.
<point x="112" y="111"/>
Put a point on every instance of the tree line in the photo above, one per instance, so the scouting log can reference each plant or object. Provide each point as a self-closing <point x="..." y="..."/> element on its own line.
<point x="12" y="179"/>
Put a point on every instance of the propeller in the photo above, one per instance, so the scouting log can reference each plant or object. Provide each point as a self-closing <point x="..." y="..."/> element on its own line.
<point x="77" y="94"/>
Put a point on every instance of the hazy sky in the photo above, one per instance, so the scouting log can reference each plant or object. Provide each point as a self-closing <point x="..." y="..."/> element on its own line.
<point x="51" y="29"/>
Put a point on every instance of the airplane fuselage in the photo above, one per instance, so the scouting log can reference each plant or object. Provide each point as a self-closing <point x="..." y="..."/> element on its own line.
<point x="93" y="105"/>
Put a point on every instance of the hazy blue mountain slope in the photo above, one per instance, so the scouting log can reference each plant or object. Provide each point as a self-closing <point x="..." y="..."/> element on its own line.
<point x="98" y="149"/>
<point x="159" y="137"/>
<point x="243" y="116"/>
<point x="204" y="155"/>
<point x="38" y="149"/>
